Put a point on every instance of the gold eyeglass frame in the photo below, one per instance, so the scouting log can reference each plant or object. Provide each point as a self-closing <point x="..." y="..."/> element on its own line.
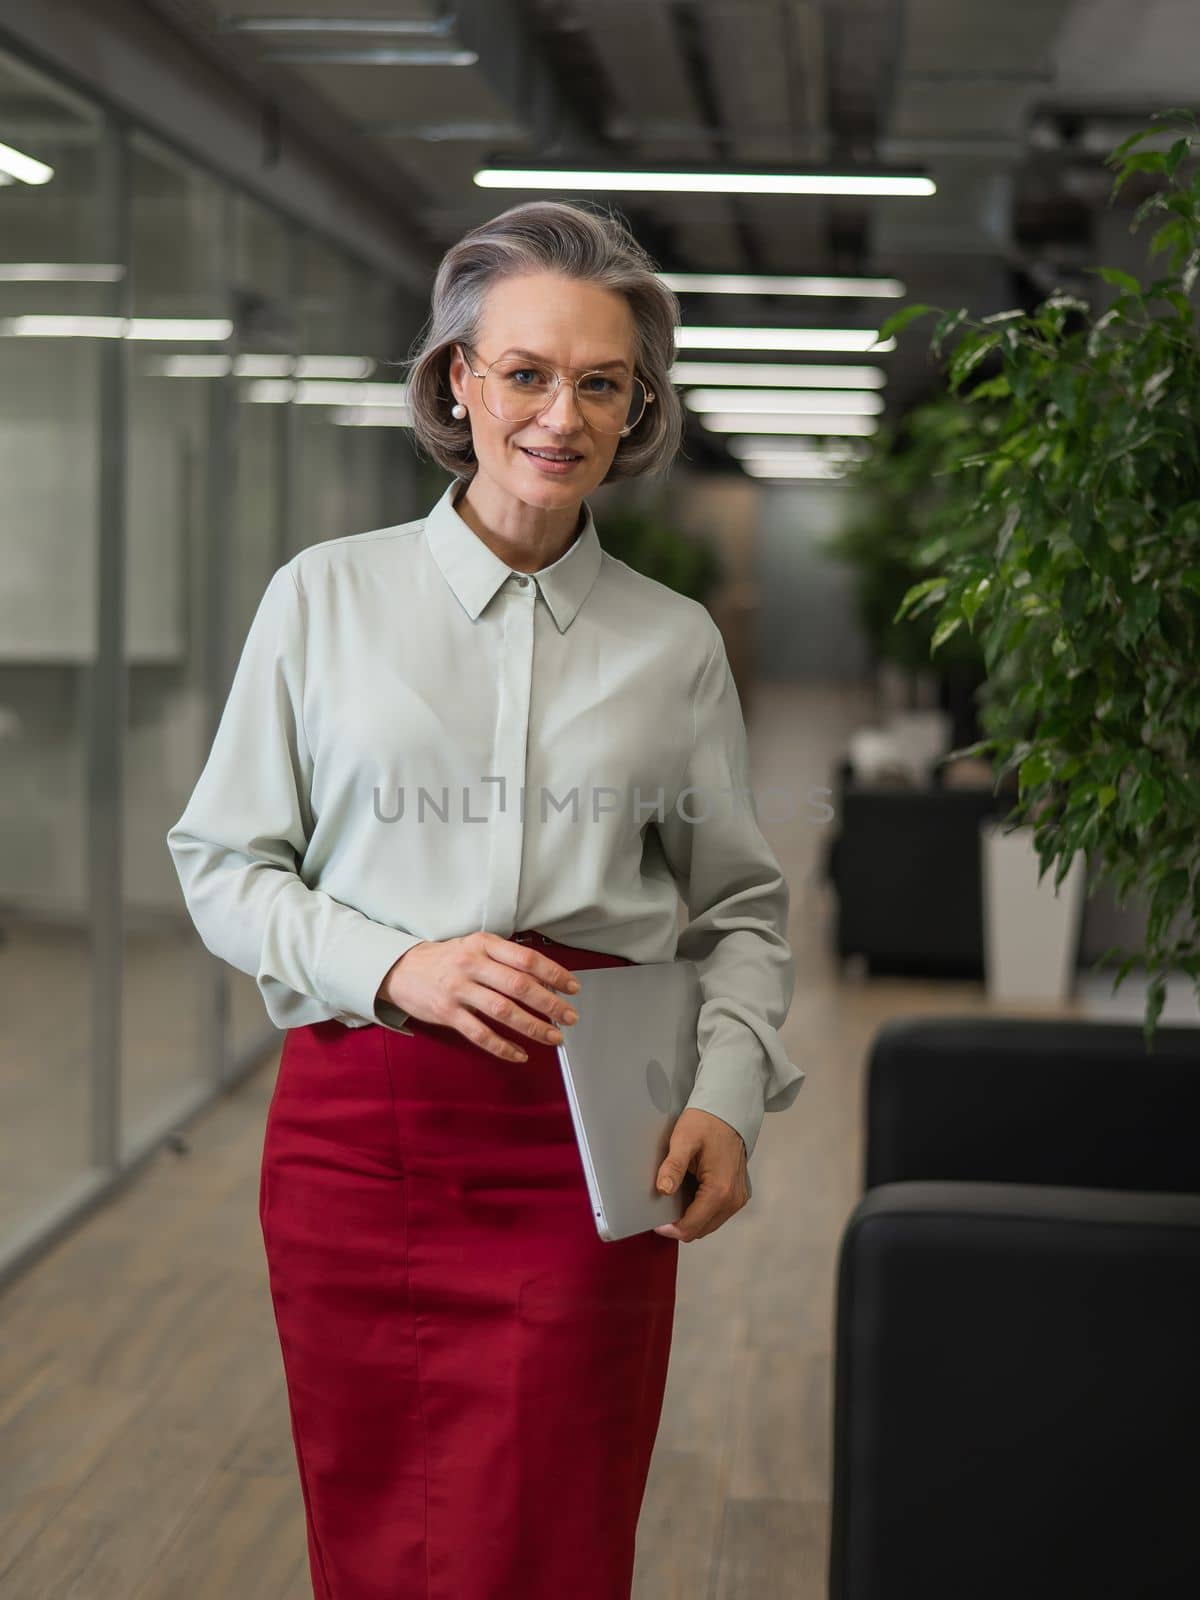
<point x="621" y="433"/>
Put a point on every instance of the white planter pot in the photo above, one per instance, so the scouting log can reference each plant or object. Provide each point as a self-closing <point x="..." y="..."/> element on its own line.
<point x="922" y="737"/>
<point x="1030" y="930"/>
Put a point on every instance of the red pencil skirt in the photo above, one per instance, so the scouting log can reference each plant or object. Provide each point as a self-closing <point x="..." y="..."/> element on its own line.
<point x="475" y="1378"/>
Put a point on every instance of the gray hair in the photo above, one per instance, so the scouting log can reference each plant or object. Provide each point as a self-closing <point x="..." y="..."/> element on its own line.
<point x="546" y="236"/>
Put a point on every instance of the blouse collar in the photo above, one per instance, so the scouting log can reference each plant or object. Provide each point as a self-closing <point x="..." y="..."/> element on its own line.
<point x="475" y="573"/>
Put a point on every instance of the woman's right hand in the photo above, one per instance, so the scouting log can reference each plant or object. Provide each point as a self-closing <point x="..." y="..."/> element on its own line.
<point x="450" y="981"/>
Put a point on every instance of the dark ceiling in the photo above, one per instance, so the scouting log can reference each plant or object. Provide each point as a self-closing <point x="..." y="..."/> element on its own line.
<point x="1010" y="105"/>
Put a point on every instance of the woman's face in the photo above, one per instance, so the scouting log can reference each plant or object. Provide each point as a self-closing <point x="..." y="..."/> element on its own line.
<point x="574" y="327"/>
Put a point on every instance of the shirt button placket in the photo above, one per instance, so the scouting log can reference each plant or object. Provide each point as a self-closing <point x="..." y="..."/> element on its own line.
<point x="509" y="755"/>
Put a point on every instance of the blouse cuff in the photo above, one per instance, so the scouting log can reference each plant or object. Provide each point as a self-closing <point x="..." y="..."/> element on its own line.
<point x="357" y="964"/>
<point x="730" y="1085"/>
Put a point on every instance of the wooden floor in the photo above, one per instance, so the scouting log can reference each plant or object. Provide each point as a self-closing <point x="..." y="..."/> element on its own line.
<point x="145" y="1451"/>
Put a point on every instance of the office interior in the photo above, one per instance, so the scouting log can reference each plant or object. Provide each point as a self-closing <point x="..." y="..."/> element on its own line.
<point x="219" y="221"/>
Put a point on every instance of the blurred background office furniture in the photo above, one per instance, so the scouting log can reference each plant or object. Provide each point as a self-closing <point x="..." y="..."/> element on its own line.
<point x="903" y="861"/>
<point x="1016" y="1390"/>
<point x="904" y="865"/>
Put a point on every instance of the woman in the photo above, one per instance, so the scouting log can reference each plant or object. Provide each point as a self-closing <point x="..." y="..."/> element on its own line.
<point x="462" y="758"/>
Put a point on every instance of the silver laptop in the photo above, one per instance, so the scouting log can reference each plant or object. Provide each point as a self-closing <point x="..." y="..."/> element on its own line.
<point x="629" y="1065"/>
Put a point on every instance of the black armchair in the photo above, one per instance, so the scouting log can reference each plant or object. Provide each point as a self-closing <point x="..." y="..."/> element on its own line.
<point x="1017" y="1346"/>
<point x="904" y="865"/>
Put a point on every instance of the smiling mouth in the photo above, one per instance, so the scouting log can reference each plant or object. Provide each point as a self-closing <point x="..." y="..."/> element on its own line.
<point x="551" y="455"/>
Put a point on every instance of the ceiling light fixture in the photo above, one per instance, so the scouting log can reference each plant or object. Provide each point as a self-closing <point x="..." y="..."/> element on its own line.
<point x="334" y="366"/>
<point x="265" y="366"/>
<point x="60" y="272"/>
<point x="794" y="374"/>
<point x="792" y="466"/>
<point x="272" y="391"/>
<point x="211" y="367"/>
<point x="63" y="327"/>
<point x="22" y="167"/>
<point x="681" y="181"/>
<point x="815" y="473"/>
<point x="756" y="465"/>
<point x="328" y="393"/>
<point x="435" y="28"/>
<point x="382" y="56"/>
<point x="851" y="340"/>
<point x="750" y="447"/>
<point x="781" y="422"/>
<point x="840" y="402"/>
<point x="372" y="417"/>
<point x="760" y="283"/>
<point x="209" y="330"/>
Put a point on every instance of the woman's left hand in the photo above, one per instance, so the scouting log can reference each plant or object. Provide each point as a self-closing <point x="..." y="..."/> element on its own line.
<point x="716" y="1152"/>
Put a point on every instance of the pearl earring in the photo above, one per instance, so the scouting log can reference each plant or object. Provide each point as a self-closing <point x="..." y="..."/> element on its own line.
<point x="458" y="410"/>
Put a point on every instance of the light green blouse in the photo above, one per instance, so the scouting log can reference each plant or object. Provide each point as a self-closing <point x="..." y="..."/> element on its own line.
<point x="419" y="743"/>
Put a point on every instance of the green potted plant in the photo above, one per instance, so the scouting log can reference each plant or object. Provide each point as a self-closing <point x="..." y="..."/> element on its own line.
<point x="913" y="489"/>
<point x="1078" y="567"/>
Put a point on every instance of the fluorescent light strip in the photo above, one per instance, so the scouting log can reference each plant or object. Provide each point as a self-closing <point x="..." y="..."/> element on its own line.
<point x="381" y="57"/>
<point x="765" y="373"/>
<point x="760" y="283"/>
<point x="848" y="339"/>
<point x="843" y="402"/>
<point x="63" y="327"/>
<point x="199" y="367"/>
<point x="351" y="394"/>
<point x="334" y="366"/>
<point x="265" y="366"/>
<point x="170" y="329"/>
<point x="22" y="167"/>
<point x="207" y="329"/>
<point x="796" y="458"/>
<point x="372" y="417"/>
<point x="700" y="182"/>
<point x="167" y="328"/>
<point x="60" y="272"/>
<point x="270" y="392"/>
<point x="435" y="28"/>
<point x="736" y="422"/>
<point x="811" y="474"/>
<point x="791" y="463"/>
<point x="281" y="392"/>
<point x="750" y="448"/>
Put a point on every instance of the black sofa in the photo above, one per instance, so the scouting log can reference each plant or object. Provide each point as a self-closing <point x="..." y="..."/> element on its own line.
<point x="905" y="870"/>
<point x="904" y="866"/>
<point x="1017" y="1340"/>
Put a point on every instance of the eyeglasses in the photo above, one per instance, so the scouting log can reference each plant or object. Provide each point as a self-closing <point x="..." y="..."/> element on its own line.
<point x="516" y="389"/>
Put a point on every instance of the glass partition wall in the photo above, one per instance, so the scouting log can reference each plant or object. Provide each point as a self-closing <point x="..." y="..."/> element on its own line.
<point x="175" y="272"/>
<point x="55" y="274"/>
<point x="161" y="453"/>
